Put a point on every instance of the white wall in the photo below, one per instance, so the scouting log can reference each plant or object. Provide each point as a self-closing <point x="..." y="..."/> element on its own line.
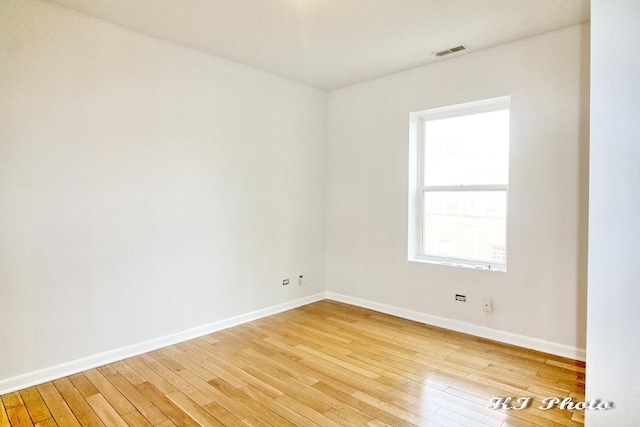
<point x="613" y="339"/>
<point x="145" y="188"/>
<point x="542" y="296"/>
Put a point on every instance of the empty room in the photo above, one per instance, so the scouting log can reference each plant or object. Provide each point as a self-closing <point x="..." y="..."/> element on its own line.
<point x="319" y="213"/>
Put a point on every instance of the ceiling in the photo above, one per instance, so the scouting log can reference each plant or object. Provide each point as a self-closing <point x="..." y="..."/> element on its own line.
<point x="334" y="43"/>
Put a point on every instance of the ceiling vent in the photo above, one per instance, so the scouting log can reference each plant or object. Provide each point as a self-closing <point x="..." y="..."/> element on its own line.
<point x="451" y="50"/>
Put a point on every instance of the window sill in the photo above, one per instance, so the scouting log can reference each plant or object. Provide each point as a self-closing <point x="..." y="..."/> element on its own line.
<point x="461" y="264"/>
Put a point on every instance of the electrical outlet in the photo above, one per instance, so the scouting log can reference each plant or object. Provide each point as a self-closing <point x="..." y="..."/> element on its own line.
<point x="285" y="282"/>
<point x="301" y="280"/>
<point x="486" y="305"/>
<point x="461" y="298"/>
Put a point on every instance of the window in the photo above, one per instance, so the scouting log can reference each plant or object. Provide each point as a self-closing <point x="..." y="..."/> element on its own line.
<point x="459" y="178"/>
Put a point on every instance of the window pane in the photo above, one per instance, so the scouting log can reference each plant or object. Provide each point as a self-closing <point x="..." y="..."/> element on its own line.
<point x="468" y="225"/>
<point x="467" y="150"/>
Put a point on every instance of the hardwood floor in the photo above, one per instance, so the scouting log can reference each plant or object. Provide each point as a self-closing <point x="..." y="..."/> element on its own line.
<point x="324" y="364"/>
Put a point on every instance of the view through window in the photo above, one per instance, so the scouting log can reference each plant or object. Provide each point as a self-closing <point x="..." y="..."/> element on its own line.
<point x="463" y="178"/>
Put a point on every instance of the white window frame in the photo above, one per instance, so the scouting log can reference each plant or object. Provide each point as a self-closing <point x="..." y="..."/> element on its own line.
<point x="417" y="189"/>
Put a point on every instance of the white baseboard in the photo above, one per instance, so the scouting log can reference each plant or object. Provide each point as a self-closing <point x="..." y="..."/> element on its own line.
<point x="467" y="328"/>
<point x="29" y="379"/>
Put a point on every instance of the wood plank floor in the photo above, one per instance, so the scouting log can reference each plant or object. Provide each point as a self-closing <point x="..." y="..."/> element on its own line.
<point x="324" y="364"/>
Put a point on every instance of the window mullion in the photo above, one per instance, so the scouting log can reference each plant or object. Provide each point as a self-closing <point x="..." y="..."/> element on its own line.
<point x="451" y="188"/>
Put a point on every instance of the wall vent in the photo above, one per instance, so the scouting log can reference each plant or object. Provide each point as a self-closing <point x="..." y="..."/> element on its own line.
<point x="451" y="50"/>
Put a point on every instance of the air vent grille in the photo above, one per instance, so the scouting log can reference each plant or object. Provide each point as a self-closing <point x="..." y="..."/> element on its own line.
<point x="451" y="50"/>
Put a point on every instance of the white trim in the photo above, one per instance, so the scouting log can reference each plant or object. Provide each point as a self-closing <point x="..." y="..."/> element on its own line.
<point x="468" y="108"/>
<point x="467" y="328"/>
<point x="29" y="379"/>
<point x="452" y="188"/>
